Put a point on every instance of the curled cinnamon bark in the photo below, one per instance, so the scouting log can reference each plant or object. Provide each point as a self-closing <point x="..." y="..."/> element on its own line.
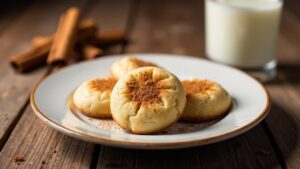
<point x="65" y="37"/>
<point x="91" y="52"/>
<point x="37" y="55"/>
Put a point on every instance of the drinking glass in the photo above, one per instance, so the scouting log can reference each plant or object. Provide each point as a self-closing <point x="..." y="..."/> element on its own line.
<point x="243" y="34"/>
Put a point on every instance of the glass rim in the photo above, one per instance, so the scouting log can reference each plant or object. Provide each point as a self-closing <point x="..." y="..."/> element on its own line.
<point x="228" y="5"/>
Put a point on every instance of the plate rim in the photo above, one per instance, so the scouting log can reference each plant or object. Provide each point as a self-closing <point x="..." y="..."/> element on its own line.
<point x="148" y="145"/>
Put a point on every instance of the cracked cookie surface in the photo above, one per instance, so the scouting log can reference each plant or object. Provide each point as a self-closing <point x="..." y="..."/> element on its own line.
<point x="205" y="100"/>
<point x="147" y="100"/>
<point x="92" y="98"/>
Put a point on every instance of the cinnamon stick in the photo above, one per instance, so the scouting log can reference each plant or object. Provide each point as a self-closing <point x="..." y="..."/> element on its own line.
<point x="31" y="58"/>
<point x="103" y="39"/>
<point x="37" y="55"/>
<point x="91" y="52"/>
<point x="108" y="38"/>
<point x="87" y="29"/>
<point x="40" y="40"/>
<point x="65" y="37"/>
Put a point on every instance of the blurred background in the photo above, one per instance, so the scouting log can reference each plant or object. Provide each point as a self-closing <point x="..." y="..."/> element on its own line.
<point x="164" y="26"/>
<point x="182" y="22"/>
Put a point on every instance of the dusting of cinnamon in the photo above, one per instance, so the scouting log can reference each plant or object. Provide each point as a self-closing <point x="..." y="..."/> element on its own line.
<point x="144" y="90"/>
<point x="19" y="159"/>
<point x="103" y="84"/>
<point x="196" y="86"/>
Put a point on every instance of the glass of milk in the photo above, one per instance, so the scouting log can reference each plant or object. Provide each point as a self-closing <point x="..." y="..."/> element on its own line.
<point x="243" y="33"/>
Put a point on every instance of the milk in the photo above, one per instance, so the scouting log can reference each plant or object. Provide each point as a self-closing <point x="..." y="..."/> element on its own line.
<point x="242" y="33"/>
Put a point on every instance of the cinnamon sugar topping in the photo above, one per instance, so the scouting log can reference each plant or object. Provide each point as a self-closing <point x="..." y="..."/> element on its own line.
<point x="103" y="84"/>
<point x="19" y="159"/>
<point x="144" y="90"/>
<point x="197" y="86"/>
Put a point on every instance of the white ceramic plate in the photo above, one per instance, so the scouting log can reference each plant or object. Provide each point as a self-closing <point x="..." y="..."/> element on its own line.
<point x="49" y="101"/>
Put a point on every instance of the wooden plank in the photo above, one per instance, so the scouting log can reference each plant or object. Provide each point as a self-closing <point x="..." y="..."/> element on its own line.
<point x="10" y="11"/>
<point x="177" y="27"/>
<point x="8" y="14"/>
<point x="293" y="6"/>
<point x="283" y="121"/>
<point x="228" y="154"/>
<point x="15" y="88"/>
<point x="288" y="47"/>
<point x="43" y="141"/>
<point x="42" y="147"/>
<point x="116" y="158"/>
<point x="167" y="27"/>
<point x="111" y="15"/>
<point x="249" y="150"/>
<point x="219" y="155"/>
<point x="233" y="153"/>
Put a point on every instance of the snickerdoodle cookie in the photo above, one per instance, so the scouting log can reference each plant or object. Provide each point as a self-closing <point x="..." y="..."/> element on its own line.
<point x="123" y="66"/>
<point x="92" y="97"/>
<point x="147" y="100"/>
<point x="205" y="100"/>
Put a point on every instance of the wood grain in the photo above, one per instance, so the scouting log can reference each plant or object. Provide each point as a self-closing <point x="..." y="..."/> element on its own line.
<point x="165" y="27"/>
<point x="10" y="11"/>
<point x="112" y="15"/>
<point x="288" y="47"/>
<point x="293" y="6"/>
<point x="240" y="152"/>
<point x="14" y="87"/>
<point x="43" y="147"/>
<point x="177" y="27"/>
<point x="38" y="147"/>
<point x="15" y="90"/>
<point x="284" y="117"/>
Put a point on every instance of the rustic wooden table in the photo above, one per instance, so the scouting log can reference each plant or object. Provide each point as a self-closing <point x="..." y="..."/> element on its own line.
<point x="163" y="26"/>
